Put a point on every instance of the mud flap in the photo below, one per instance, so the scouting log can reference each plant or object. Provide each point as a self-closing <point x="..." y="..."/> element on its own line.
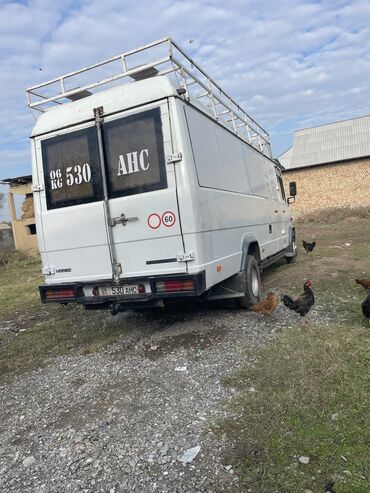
<point x="291" y="251"/>
<point x="233" y="287"/>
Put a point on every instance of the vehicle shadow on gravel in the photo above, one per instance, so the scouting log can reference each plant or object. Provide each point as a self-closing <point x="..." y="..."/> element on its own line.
<point x="156" y="333"/>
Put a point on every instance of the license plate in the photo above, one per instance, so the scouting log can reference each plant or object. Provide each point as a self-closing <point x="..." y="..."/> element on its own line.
<point x="119" y="290"/>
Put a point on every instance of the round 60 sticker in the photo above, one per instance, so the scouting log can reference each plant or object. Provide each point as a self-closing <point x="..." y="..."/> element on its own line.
<point x="168" y="219"/>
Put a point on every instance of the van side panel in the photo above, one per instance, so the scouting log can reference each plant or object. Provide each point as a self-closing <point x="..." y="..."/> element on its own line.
<point x="231" y="197"/>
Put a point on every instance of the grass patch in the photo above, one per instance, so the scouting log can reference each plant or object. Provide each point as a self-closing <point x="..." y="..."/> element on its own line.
<point x="20" y="277"/>
<point x="59" y="330"/>
<point x="31" y="334"/>
<point x="312" y="399"/>
<point x="312" y="382"/>
<point x="333" y="214"/>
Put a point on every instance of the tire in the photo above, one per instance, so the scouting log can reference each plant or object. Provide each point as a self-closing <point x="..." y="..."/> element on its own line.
<point x="292" y="260"/>
<point x="253" y="284"/>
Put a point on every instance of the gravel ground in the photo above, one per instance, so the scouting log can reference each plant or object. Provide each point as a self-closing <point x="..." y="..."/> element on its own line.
<point x="120" y="420"/>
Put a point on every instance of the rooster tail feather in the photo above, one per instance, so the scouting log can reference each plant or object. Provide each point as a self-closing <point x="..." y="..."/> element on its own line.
<point x="288" y="302"/>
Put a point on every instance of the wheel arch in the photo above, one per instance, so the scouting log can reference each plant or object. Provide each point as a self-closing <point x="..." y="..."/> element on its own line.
<point x="250" y="246"/>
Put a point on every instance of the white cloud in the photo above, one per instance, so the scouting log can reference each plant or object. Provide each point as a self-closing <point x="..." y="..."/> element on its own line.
<point x="292" y="64"/>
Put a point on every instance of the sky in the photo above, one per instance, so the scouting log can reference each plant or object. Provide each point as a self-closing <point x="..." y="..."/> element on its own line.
<point x="290" y="63"/>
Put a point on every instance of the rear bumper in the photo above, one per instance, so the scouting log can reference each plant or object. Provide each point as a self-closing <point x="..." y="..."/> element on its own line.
<point x="76" y="292"/>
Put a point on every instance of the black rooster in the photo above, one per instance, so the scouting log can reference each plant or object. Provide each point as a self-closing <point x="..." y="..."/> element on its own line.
<point x="366" y="308"/>
<point x="303" y="304"/>
<point x="329" y="487"/>
<point x="308" y="246"/>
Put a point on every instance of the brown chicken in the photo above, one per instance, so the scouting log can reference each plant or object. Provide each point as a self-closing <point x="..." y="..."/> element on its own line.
<point x="365" y="283"/>
<point x="267" y="305"/>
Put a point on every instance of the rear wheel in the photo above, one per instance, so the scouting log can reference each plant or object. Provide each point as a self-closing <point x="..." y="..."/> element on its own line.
<point x="253" y="284"/>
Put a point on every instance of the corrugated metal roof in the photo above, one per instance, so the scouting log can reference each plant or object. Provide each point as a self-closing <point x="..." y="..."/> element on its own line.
<point x="340" y="141"/>
<point x="286" y="157"/>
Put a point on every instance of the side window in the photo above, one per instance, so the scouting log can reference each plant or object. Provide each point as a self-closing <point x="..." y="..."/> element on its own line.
<point x="280" y="187"/>
<point x="72" y="169"/>
<point x="135" y="154"/>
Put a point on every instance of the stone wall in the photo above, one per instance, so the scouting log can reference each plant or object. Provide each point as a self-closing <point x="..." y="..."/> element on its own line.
<point x="331" y="185"/>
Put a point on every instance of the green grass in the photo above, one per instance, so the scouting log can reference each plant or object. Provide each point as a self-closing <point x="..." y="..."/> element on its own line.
<point x="334" y="214"/>
<point x="19" y="279"/>
<point x="41" y="332"/>
<point x="312" y="399"/>
<point x="312" y="382"/>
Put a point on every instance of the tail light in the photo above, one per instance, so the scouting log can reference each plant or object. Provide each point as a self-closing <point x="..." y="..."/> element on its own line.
<point x="59" y="294"/>
<point x="171" y="286"/>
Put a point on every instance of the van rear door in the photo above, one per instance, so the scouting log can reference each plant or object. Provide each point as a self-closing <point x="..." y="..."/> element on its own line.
<point x="73" y="222"/>
<point x="143" y="205"/>
<point x="144" y="227"/>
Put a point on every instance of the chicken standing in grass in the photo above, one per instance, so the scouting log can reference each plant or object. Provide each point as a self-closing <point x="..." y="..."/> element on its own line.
<point x="303" y="304"/>
<point x="267" y="305"/>
<point x="308" y="246"/>
<point x="366" y="308"/>
<point x="365" y="283"/>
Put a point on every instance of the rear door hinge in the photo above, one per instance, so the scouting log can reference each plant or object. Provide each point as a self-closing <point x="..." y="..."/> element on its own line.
<point x="37" y="188"/>
<point x="174" y="157"/>
<point x="185" y="257"/>
<point x="48" y="271"/>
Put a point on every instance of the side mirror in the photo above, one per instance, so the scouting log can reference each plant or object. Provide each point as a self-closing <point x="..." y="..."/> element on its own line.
<point x="292" y="192"/>
<point x="292" y="189"/>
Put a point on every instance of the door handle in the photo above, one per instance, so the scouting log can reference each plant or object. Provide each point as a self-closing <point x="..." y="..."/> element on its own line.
<point x="122" y="219"/>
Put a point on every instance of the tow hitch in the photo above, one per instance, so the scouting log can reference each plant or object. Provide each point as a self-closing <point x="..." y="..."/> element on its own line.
<point x="116" y="308"/>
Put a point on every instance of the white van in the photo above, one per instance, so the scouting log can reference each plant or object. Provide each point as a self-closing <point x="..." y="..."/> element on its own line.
<point x="155" y="190"/>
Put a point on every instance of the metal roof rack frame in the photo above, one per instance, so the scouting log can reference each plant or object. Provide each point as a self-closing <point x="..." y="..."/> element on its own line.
<point x="175" y="63"/>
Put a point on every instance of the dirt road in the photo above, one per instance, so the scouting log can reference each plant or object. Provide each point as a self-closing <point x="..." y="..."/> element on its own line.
<point x="121" y="420"/>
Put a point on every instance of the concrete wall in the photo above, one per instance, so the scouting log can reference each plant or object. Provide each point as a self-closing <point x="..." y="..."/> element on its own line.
<point x="331" y="185"/>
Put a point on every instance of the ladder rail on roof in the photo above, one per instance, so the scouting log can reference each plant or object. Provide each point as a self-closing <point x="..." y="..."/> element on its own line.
<point x="218" y="104"/>
<point x="257" y="131"/>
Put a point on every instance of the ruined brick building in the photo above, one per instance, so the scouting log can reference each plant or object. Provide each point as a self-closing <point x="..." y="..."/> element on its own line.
<point x="330" y="164"/>
<point x="23" y="222"/>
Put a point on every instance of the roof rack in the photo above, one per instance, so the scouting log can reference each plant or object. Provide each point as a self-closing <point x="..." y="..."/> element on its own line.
<point x="167" y="59"/>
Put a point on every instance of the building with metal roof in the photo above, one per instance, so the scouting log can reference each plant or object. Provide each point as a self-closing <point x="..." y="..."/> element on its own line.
<point x="330" y="164"/>
<point x="334" y="142"/>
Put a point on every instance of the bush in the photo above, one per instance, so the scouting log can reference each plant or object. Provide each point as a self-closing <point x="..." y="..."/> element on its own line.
<point x="15" y="257"/>
<point x="333" y="214"/>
